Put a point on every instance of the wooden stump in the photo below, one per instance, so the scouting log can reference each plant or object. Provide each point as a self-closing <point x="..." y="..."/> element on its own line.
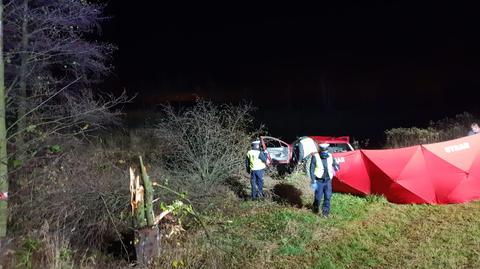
<point x="147" y="245"/>
<point x="6" y="253"/>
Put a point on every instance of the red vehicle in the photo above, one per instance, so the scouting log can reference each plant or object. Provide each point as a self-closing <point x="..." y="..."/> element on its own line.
<point x="282" y="153"/>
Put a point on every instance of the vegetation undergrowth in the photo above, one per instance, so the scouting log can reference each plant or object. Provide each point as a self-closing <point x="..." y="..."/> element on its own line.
<point x="84" y="217"/>
<point x="436" y="131"/>
<point x="362" y="232"/>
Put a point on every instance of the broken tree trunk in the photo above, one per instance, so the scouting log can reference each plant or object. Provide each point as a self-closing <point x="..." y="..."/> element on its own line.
<point x="137" y="193"/>
<point x="147" y="184"/>
<point x="147" y="236"/>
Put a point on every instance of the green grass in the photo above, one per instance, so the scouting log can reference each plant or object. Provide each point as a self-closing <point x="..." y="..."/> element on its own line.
<point x="361" y="233"/>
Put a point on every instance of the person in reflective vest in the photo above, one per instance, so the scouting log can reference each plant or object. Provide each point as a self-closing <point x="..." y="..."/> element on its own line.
<point x="256" y="163"/>
<point x="322" y="170"/>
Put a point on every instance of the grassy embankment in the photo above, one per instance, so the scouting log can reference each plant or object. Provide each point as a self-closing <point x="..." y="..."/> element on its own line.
<point x="361" y="233"/>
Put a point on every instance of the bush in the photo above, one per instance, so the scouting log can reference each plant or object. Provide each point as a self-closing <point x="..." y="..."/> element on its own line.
<point x="205" y="144"/>
<point x="404" y="137"/>
<point x="437" y="131"/>
<point x="43" y="249"/>
<point x="82" y="193"/>
<point x="451" y="128"/>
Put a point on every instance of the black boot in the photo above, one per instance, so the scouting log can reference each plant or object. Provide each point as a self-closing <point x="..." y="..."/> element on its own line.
<point x="325" y="213"/>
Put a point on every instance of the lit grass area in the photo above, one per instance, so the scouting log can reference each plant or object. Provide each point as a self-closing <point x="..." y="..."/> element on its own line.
<point x="362" y="232"/>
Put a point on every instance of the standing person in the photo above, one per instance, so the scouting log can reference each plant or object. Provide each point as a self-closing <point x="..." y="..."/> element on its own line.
<point x="256" y="163"/>
<point x="474" y="129"/>
<point x="322" y="170"/>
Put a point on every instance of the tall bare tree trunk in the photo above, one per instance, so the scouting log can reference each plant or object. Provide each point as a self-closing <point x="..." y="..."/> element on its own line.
<point x="3" y="143"/>
<point x="22" y="93"/>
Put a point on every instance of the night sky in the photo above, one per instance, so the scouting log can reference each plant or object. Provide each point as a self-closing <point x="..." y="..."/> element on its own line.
<point x="341" y="68"/>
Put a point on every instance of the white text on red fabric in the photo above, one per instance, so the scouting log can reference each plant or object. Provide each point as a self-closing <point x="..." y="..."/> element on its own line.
<point x="459" y="147"/>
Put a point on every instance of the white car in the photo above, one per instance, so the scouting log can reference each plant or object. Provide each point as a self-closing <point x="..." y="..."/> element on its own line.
<point x="281" y="153"/>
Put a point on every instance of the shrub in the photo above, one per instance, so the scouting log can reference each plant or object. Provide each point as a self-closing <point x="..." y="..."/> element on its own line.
<point x="451" y="128"/>
<point x="437" y="131"/>
<point x="404" y="137"/>
<point x="83" y="193"/>
<point x="45" y="249"/>
<point x="205" y="144"/>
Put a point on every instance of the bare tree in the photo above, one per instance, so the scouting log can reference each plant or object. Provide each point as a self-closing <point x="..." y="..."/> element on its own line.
<point x="52" y="60"/>
<point x="206" y="144"/>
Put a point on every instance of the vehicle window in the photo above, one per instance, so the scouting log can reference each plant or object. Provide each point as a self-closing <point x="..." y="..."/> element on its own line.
<point x="272" y="144"/>
<point x="277" y="150"/>
<point x="338" y="148"/>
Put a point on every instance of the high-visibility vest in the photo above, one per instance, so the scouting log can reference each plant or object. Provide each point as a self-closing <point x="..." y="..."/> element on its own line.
<point x="253" y="156"/>
<point x="319" y="169"/>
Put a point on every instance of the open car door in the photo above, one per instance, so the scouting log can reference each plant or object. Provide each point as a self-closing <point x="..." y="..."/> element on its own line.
<point x="279" y="152"/>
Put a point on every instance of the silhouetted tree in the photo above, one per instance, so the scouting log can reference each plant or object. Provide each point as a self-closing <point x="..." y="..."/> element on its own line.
<point x="51" y="61"/>
<point x="3" y="144"/>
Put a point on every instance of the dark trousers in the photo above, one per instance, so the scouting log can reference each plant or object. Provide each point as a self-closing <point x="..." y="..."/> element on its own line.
<point x="256" y="180"/>
<point x="324" y="188"/>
